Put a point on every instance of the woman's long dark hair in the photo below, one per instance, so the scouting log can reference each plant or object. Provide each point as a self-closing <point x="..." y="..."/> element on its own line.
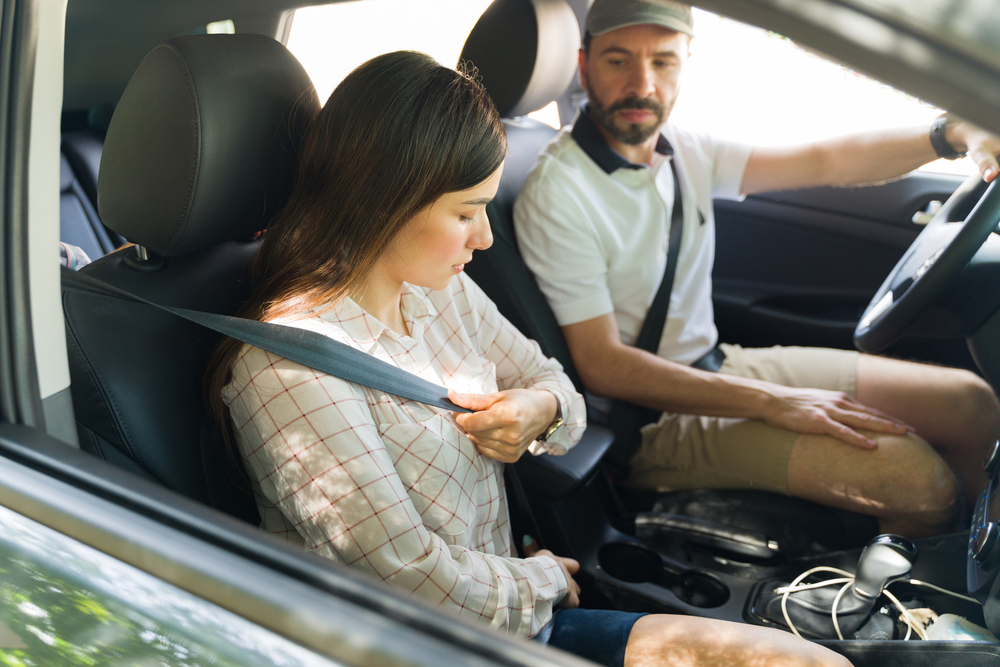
<point x="398" y="133"/>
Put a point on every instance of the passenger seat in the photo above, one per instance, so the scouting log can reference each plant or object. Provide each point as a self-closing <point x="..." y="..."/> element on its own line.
<point x="79" y="222"/>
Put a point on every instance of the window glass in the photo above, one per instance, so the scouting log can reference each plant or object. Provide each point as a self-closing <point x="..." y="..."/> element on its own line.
<point x="64" y="603"/>
<point x="331" y="40"/>
<point x="750" y="85"/>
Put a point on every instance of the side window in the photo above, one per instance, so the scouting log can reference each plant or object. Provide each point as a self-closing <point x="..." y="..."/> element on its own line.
<point x="329" y="44"/>
<point x="64" y="603"/>
<point x="750" y="85"/>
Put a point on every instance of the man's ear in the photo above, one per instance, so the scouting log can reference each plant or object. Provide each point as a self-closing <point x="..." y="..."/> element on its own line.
<point x="582" y="72"/>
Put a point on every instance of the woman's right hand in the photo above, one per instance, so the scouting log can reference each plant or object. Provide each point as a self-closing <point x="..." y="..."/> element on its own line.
<point x="569" y="568"/>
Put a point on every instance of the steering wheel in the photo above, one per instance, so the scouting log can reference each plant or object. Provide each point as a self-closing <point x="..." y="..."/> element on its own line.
<point x="930" y="265"/>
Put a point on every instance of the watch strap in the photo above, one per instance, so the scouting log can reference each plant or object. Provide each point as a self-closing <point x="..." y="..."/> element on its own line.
<point x="939" y="142"/>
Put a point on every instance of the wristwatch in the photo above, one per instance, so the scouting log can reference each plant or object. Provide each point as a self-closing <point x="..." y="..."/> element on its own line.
<point x="554" y="426"/>
<point x="939" y="142"/>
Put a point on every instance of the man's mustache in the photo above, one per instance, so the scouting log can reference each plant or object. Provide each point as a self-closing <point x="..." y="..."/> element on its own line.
<point x="647" y="104"/>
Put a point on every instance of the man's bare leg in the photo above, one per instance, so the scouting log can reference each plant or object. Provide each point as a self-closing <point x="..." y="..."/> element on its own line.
<point x="953" y="410"/>
<point x="903" y="482"/>
<point x="688" y="641"/>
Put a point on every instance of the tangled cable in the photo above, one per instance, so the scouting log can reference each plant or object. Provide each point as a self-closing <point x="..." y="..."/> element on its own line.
<point x="847" y="580"/>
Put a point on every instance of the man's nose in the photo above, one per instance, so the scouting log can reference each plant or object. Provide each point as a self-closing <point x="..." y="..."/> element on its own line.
<point x="641" y="81"/>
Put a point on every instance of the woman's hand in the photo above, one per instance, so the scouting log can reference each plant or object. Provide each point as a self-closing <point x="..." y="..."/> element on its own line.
<point x="569" y="567"/>
<point x="504" y="424"/>
<point x="832" y="413"/>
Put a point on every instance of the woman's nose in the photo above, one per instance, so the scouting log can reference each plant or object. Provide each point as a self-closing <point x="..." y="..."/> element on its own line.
<point x="482" y="236"/>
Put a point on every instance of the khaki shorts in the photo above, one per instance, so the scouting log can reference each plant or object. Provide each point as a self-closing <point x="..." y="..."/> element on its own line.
<point x="687" y="452"/>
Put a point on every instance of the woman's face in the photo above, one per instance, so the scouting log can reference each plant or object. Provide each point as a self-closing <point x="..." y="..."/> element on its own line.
<point x="437" y="243"/>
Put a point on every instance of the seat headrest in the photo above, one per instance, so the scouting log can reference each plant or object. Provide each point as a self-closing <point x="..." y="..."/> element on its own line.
<point x="202" y="147"/>
<point x="526" y="53"/>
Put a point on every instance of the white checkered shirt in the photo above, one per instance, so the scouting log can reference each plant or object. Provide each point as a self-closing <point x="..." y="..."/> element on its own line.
<point x="392" y="486"/>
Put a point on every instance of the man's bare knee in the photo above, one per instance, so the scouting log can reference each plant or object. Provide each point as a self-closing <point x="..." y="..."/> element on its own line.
<point x="977" y="407"/>
<point x="921" y="492"/>
<point x="903" y="483"/>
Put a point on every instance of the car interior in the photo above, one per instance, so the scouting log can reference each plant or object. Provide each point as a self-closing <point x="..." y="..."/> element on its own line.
<point x="223" y="115"/>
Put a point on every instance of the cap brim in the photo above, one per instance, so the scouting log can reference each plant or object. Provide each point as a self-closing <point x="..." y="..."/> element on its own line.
<point x="602" y="27"/>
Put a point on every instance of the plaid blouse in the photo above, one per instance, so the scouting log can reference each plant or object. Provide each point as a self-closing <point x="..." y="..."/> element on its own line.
<point x="392" y="486"/>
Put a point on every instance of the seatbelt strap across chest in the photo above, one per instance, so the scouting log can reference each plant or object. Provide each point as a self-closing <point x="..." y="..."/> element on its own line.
<point x="311" y="349"/>
<point x="625" y="419"/>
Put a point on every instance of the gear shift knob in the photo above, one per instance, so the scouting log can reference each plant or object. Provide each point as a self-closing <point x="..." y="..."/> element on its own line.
<point x="885" y="559"/>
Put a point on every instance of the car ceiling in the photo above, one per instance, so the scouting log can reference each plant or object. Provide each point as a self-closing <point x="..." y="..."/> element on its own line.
<point x="107" y="39"/>
<point x="945" y="52"/>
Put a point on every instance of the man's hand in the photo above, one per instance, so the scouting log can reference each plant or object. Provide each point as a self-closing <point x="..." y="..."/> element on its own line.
<point x="983" y="147"/>
<point x="504" y="424"/>
<point x="831" y="412"/>
<point x="569" y="567"/>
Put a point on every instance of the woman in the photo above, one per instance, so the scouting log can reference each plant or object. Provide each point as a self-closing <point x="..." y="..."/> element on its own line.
<point x="388" y="207"/>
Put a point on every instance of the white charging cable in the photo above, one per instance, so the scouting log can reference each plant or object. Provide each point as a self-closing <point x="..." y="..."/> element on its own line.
<point x="847" y="580"/>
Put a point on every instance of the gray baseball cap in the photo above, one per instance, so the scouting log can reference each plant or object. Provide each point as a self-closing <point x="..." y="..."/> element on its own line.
<point x="607" y="15"/>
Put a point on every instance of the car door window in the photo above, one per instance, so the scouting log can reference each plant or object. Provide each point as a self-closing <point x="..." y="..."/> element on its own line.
<point x="64" y="603"/>
<point x="755" y="86"/>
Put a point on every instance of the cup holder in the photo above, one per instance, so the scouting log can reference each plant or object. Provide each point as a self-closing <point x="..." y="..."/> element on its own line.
<point x="638" y="564"/>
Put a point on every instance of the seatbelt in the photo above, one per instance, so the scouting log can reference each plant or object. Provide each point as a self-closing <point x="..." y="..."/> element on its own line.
<point x="625" y="419"/>
<point x="308" y="348"/>
<point x="313" y="350"/>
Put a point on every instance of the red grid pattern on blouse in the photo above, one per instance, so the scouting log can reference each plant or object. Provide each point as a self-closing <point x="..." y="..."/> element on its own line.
<point x="393" y="486"/>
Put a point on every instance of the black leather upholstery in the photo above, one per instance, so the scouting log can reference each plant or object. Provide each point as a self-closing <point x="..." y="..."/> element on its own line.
<point x="178" y="173"/>
<point x="199" y="154"/>
<point x="79" y="224"/>
<point x="499" y="270"/>
<point x="83" y="149"/>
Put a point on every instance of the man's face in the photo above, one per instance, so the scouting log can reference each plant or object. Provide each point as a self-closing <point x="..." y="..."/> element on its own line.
<point x="632" y="78"/>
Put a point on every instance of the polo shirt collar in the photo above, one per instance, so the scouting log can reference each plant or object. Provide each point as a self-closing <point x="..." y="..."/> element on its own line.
<point x="590" y="139"/>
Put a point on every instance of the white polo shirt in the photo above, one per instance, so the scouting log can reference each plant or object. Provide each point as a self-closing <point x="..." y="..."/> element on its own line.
<point x="593" y="228"/>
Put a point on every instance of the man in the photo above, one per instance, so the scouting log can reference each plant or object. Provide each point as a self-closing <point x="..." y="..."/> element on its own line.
<point x="892" y="439"/>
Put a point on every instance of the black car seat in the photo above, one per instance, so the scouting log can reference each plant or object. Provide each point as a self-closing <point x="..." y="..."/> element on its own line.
<point x="199" y="155"/>
<point x="525" y="52"/>
<point x="79" y="223"/>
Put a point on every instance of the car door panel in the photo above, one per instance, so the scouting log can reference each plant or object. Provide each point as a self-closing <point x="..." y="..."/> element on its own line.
<point x="798" y="267"/>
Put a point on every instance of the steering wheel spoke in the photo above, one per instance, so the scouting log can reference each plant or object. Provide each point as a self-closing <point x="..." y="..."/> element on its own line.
<point x="930" y="266"/>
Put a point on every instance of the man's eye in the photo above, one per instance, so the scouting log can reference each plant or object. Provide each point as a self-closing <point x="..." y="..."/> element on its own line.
<point x="465" y="219"/>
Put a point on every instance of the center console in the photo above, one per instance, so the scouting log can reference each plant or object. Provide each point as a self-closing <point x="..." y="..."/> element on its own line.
<point x="636" y="561"/>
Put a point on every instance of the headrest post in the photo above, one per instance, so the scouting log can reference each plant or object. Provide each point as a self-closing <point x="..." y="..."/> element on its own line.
<point x="143" y="260"/>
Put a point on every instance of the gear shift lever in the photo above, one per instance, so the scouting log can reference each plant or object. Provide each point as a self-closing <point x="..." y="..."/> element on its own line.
<point x="885" y="559"/>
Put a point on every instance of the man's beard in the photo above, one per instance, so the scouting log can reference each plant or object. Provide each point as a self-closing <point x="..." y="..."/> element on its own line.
<point x="634" y="133"/>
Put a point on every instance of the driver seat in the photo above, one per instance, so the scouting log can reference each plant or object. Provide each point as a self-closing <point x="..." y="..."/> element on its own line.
<point x="200" y="153"/>
<point x="524" y="78"/>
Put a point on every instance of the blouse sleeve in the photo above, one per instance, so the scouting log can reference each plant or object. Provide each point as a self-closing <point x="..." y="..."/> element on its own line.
<point x="520" y="363"/>
<point x="310" y="443"/>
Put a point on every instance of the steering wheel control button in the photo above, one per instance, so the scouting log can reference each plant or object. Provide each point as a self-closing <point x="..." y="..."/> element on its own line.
<point x="992" y="462"/>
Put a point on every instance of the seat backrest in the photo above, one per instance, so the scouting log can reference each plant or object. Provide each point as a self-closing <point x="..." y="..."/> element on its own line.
<point x="79" y="223"/>
<point x="525" y="51"/>
<point x="199" y="155"/>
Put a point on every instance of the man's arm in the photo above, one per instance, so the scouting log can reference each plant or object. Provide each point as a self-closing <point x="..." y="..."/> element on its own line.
<point x="868" y="157"/>
<point x="610" y="368"/>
